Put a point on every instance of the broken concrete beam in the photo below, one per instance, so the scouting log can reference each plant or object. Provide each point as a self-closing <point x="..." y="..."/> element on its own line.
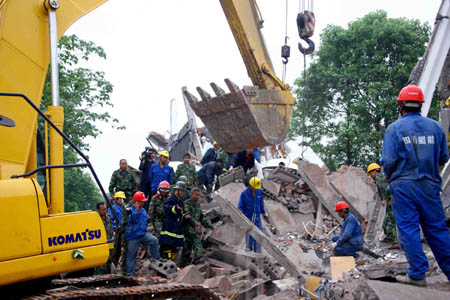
<point x="227" y="234"/>
<point x="190" y="275"/>
<point x="242" y="221"/>
<point x="221" y="283"/>
<point x="220" y="271"/>
<point x="237" y="174"/>
<point x="284" y="175"/>
<point x="279" y="216"/>
<point x="232" y="192"/>
<point x="246" y="260"/>
<point x="341" y="264"/>
<point x="221" y="264"/>
<point x="317" y="181"/>
<point x="240" y="276"/>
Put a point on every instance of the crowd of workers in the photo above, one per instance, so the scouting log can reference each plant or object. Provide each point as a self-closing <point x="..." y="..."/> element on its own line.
<point x="414" y="149"/>
<point x="168" y="201"/>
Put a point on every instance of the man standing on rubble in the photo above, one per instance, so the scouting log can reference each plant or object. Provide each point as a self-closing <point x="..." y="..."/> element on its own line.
<point x="251" y="204"/>
<point x="192" y="242"/>
<point x="188" y="170"/>
<point x="123" y="180"/>
<point x="414" y="149"/>
<point x="137" y="233"/>
<point x="159" y="172"/>
<point x="120" y="241"/>
<point x="390" y="230"/>
<point x="156" y="210"/>
<point x="351" y="239"/>
<point x="171" y="236"/>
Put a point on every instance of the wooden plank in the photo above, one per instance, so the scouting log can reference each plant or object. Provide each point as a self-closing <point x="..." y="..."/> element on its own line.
<point x="341" y="264"/>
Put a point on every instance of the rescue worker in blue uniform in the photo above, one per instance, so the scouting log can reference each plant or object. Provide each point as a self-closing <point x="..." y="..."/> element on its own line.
<point x="120" y="240"/>
<point x="137" y="234"/>
<point x="158" y="173"/>
<point x="171" y="236"/>
<point x="251" y="204"/>
<point x="119" y="198"/>
<point x="414" y="148"/>
<point x="351" y="239"/>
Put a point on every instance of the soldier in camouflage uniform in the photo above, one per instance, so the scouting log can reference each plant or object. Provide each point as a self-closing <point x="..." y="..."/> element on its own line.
<point x="101" y="210"/>
<point x="193" y="218"/>
<point x="389" y="227"/>
<point x="123" y="180"/>
<point x="186" y="169"/>
<point x="156" y="209"/>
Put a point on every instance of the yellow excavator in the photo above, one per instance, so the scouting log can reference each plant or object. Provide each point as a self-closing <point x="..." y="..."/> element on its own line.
<point x="37" y="238"/>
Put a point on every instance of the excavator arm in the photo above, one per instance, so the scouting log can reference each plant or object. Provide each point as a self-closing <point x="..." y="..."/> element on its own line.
<point x="253" y="116"/>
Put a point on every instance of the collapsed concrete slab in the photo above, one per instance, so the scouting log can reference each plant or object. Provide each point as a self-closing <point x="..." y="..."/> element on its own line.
<point x="232" y="192"/>
<point x="190" y="275"/>
<point x="356" y="187"/>
<point x="221" y="283"/>
<point x="272" y="186"/>
<point x="228" y="234"/>
<point x="235" y="175"/>
<point x="240" y="220"/>
<point x="279" y="216"/>
<point x="284" y="175"/>
<point x="318" y="182"/>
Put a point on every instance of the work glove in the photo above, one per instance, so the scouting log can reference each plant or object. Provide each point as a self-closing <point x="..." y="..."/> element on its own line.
<point x="333" y="245"/>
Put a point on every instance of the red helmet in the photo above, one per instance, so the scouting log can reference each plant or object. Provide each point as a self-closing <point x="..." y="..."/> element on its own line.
<point x="164" y="186"/>
<point x="411" y="93"/>
<point x="139" y="196"/>
<point x="341" y="205"/>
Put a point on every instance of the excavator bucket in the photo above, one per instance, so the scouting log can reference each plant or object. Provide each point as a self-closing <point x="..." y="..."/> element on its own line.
<point x="244" y="118"/>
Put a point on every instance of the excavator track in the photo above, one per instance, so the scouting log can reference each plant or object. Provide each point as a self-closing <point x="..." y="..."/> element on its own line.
<point x="158" y="291"/>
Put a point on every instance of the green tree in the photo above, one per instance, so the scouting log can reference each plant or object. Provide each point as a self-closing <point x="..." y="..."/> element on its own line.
<point x="348" y="97"/>
<point x="84" y="94"/>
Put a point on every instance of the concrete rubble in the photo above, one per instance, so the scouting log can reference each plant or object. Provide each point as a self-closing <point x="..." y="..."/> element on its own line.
<point x="295" y="241"/>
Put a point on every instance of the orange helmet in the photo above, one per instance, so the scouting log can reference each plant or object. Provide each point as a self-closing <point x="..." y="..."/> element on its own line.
<point x="411" y="93"/>
<point x="341" y="205"/>
<point x="164" y="186"/>
<point x="139" y="196"/>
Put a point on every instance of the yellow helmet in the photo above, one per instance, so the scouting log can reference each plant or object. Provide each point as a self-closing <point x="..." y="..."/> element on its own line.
<point x="164" y="153"/>
<point x="214" y="143"/>
<point x="120" y="194"/>
<point x="255" y="183"/>
<point x="372" y="167"/>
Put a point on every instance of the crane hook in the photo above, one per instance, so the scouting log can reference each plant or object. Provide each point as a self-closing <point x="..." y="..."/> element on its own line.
<point x="305" y="24"/>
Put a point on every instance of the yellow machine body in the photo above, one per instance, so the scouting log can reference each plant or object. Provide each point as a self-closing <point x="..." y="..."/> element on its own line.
<point x="36" y="237"/>
<point x="35" y="244"/>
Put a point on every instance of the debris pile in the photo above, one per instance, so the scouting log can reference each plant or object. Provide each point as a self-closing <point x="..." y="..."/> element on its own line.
<point x="295" y="240"/>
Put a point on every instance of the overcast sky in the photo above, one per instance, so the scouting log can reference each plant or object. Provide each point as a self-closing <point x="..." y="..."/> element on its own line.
<point x="156" y="47"/>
